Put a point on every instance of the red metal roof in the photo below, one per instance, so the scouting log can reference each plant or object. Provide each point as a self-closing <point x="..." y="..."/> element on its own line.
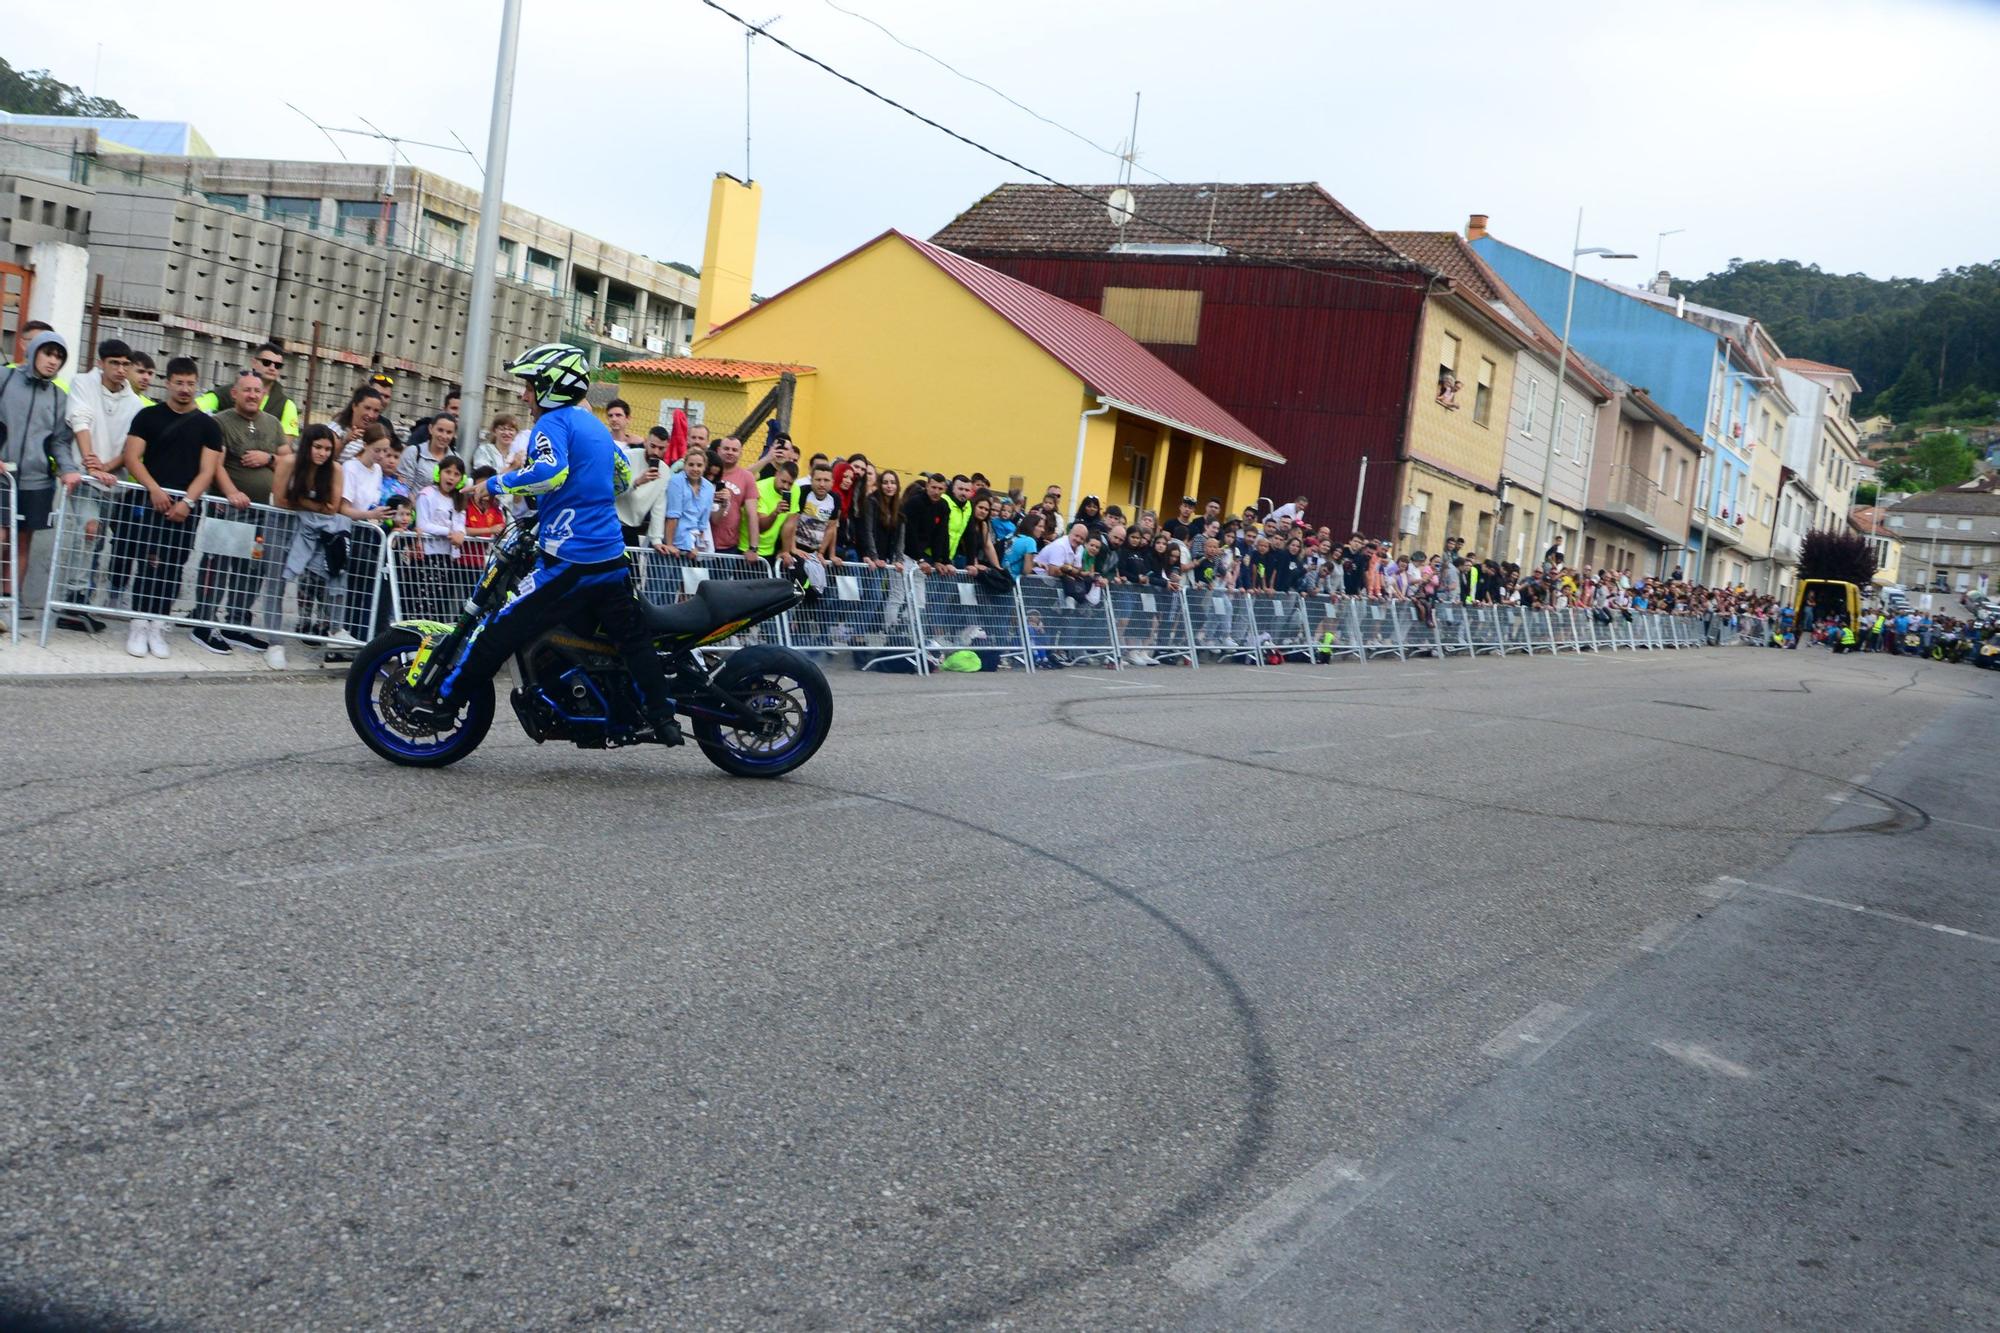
<point x="708" y="368"/>
<point x="1802" y="364"/>
<point x="1113" y="366"/>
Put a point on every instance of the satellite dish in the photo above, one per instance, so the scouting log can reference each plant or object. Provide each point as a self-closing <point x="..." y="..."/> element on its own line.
<point x="1120" y="207"/>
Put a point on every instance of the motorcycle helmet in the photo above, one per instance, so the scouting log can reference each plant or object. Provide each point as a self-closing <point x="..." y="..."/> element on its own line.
<point x="557" y="373"/>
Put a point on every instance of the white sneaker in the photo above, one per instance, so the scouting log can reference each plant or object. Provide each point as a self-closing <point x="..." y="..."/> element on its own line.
<point x="136" y="638"/>
<point x="340" y="638"/>
<point x="156" y="638"/>
<point x="274" y="657"/>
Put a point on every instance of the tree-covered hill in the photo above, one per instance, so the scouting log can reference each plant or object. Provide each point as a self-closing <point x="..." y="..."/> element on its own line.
<point x="1911" y="342"/>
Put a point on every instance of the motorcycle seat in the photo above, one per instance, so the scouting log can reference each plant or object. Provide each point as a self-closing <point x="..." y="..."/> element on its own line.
<point x="720" y="602"/>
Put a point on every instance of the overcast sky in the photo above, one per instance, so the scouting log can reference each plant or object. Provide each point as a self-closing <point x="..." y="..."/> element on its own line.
<point x="1860" y="136"/>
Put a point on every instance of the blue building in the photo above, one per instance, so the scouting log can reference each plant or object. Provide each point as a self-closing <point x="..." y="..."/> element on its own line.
<point x="1707" y="378"/>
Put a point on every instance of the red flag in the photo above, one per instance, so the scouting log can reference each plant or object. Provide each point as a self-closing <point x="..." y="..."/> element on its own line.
<point x="677" y="438"/>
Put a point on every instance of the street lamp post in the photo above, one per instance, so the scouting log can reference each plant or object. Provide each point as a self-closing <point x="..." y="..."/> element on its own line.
<point x="1577" y="251"/>
<point x="486" y="250"/>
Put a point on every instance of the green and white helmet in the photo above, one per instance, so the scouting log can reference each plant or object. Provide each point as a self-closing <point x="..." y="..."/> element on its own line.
<point x="557" y="373"/>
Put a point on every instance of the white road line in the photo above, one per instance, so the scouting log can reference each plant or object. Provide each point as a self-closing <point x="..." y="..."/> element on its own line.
<point x="329" y="869"/>
<point x="1700" y="1057"/>
<point x="1529" y="1039"/>
<point x="1126" y="768"/>
<point x="1282" y="1224"/>
<point x="1405" y="735"/>
<point x="798" y="811"/>
<point x="1840" y="798"/>
<point x="1959" y="823"/>
<point x="1658" y="937"/>
<point x="1897" y="917"/>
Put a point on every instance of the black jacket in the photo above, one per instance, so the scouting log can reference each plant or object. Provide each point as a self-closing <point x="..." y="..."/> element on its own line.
<point x="923" y="528"/>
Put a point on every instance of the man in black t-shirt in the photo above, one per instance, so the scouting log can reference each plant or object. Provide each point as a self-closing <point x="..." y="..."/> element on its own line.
<point x="1181" y="525"/>
<point x="172" y="447"/>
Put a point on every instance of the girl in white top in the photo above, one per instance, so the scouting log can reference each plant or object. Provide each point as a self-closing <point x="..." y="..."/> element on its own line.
<point x="440" y="518"/>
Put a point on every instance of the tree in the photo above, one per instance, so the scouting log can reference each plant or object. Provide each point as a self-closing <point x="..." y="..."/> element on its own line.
<point x="1909" y="393"/>
<point x="33" y="92"/>
<point x="1827" y="554"/>
<point x="1939" y="459"/>
<point x="1865" y="493"/>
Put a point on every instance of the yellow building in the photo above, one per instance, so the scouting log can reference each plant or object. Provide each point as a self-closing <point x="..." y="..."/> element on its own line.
<point x="925" y="360"/>
<point x="719" y="394"/>
<point x="1457" y="437"/>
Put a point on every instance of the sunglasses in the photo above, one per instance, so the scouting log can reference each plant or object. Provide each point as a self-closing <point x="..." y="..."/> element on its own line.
<point x="270" y="365"/>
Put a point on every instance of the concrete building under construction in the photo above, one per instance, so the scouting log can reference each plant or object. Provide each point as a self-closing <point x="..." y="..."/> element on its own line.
<point x="368" y="264"/>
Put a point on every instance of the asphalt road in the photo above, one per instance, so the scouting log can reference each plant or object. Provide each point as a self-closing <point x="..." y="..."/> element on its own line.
<point x="1421" y="995"/>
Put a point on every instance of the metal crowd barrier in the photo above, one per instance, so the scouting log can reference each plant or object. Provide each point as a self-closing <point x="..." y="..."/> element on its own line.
<point x="429" y="578"/>
<point x="1152" y="624"/>
<point x="1063" y="630"/>
<point x="862" y="609"/>
<point x="666" y="579"/>
<point x="256" y="570"/>
<point x="10" y="596"/>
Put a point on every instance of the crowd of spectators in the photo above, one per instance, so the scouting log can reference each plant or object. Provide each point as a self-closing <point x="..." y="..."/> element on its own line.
<point x="338" y="499"/>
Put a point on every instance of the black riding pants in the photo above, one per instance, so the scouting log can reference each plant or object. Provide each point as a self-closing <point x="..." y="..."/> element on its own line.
<point x="559" y="592"/>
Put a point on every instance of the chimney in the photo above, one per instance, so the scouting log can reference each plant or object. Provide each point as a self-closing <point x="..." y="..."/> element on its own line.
<point x="728" y="255"/>
<point x="1475" y="226"/>
<point x="1663" y="283"/>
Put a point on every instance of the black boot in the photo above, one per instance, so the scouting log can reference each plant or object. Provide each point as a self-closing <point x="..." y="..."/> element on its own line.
<point x="666" y="728"/>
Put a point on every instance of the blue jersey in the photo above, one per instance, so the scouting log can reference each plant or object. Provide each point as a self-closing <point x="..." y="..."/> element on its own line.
<point x="577" y="469"/>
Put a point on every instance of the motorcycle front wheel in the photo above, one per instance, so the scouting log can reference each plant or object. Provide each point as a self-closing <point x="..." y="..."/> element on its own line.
<point x="792" y="691"/>
<point x="376" y="670"/>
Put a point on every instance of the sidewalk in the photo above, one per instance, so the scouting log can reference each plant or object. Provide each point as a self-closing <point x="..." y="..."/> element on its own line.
<point x="72" y="654"/>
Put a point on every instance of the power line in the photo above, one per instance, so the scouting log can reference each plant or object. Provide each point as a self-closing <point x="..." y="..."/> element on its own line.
<point x="974" y="79"/>
<point x="994" y="153"/>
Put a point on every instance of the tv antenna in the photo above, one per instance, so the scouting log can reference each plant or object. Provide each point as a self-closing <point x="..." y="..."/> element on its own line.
<point x="749" y="39"/>
<point x="395" y="142"/>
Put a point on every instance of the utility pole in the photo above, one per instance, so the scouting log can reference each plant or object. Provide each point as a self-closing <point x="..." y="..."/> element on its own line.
<point x="486" y="250"/>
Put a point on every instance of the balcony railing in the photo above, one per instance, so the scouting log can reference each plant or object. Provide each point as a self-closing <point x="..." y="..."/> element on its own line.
<point x="1634" y="490"/>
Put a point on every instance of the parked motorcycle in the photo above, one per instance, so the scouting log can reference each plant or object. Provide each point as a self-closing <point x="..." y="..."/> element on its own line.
<point x="1987" y="655"/>
<point x="1949" y="647"/>
<point x="761" y="712"/>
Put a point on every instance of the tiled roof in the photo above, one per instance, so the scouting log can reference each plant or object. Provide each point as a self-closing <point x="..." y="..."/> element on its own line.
<point x="1449" y="254"/>
<point x="1103" y="356"/>
<point x="708" y="368"/>
<point x="1298" y="223"/>
<point x="1806" y="367"/>
<point x="1981" y="495"/>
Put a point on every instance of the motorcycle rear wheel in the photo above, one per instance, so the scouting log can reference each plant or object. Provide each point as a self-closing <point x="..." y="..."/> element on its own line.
<point x="784" y="681"/>
<point x="375" y="672"/>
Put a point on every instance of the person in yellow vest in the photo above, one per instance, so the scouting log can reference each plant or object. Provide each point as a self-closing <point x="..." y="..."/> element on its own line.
<point x="269" y="361"/>
<point x="775" y="502"/>
<point x="1846" y="643"/>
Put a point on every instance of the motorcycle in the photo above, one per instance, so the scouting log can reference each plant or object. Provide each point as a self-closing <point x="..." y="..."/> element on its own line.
<point x="1948" y="647"/>
<point x="1988" y="655"/>
<point x="762" y="712"/>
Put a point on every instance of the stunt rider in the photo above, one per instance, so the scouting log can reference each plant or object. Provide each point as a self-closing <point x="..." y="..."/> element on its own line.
<point x="576" y="469"/>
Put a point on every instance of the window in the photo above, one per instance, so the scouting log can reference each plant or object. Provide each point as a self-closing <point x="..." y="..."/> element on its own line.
<point x="1660" y="470"/>
<point x="1528" y="422"/>
<point x="509" y="260"/>
<point x="1933" y="523"/>
<point x="446" y="236"/>
<point x="357" y="217"/>
<point x="1895" y="520"/>
<point x="542" y="268"/>
<point x="282" y="209"/>
<point x="1154" y="314"/>
<point x="1448" y="385"/>
<point x="1965" y="525"/>
<point x="239" y="202"/>
<point x="1680" y="478"/>
<point x="1482" y="393"/>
